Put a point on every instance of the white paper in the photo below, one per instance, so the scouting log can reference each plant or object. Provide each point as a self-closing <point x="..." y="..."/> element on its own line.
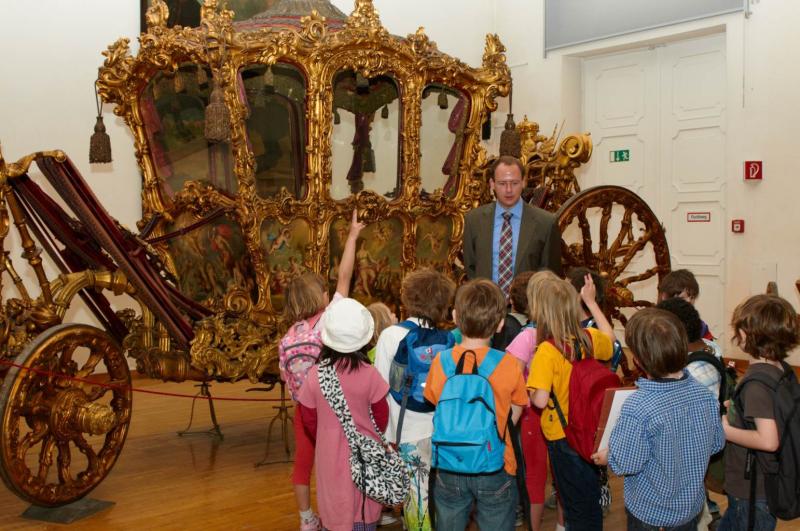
<point x="620" y="397"/>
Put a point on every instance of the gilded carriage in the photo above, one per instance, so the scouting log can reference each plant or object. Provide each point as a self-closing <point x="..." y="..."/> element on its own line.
<point x="256" y="139"/>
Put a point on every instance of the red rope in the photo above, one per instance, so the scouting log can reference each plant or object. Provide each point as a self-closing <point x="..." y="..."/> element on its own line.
<point x="42" y="372"/>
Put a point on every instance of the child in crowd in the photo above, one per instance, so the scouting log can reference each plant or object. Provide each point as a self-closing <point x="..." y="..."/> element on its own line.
<point x="306" y="297"/>
<point x="667" y="430"/>
<point x="384" y="317"/>
<point x="479" y="310"/>
<point x="426" y="296"/>
<point x="704" y="372"/>
<point x="682" y="283"/>
<point x="708" y="371"/>
<point x="346" y="329"/>
<point x="766" y="328"/>
<point x="556" y="311"/>
<point x="517" y="318"/>
<point x="534" y="448"/>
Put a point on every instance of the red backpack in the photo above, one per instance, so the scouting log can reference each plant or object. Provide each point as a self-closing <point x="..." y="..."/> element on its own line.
<point x="587" y="386"/>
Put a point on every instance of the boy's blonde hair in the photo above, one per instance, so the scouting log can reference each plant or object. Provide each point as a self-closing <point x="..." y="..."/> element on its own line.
<point x="427" y="294"/>
<point x="533" y="287"/>
<point x="383" y="316"/>
<point x="480" y="306"/>
<point x="556" y="311"/>
<point x="770" y="326"/>
<point x="304" y="297"/>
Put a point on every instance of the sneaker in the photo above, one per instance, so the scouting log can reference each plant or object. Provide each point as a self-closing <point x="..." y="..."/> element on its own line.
<point x="520" y="519"/>
<point x="713" y="508"/>
<point x="387" y="519"/>
<point x="310" y="524"/>
<point x="551" y="502"/>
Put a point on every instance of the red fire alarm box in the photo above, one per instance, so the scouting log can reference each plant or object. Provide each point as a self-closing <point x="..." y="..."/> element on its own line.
<point x="737" y="226"/>
<point x="753" y="170"/>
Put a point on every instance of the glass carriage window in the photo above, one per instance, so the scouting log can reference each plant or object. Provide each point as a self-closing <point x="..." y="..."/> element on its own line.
<point x="366" y="132"/>
<point x="445" y="112"/>
<point x="276" y="129"/>
<point x="173" y="109"/>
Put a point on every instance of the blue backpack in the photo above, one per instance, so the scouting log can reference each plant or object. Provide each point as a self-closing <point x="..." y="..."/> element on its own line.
<point x="412" y="362"/>
<point x="465" y="438"/>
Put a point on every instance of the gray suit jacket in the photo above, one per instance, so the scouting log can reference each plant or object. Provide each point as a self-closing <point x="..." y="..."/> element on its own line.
<point x="539" y="243"/>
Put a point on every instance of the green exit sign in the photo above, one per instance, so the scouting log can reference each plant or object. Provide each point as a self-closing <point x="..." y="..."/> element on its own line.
<point x="620" y="155"/>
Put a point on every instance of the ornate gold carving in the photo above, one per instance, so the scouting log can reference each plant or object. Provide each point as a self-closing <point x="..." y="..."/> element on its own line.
<point x="230" y="348"/>
<point x="45" y="417"/>
<point x="362" y="45"/>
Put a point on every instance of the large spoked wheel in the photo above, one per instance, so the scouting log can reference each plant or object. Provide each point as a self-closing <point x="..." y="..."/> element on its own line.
<point x="612" y="230"/>
<point x="61" y="437"/>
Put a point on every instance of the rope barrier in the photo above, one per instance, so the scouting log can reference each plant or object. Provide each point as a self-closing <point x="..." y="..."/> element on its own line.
<point x="124" y="387"/>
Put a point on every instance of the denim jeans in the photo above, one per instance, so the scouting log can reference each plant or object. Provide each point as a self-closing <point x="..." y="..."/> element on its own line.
<point x="494" y="496"/>
<point x="578" y="485"/>
<point x="735" y="518"/>
<point x="634" y="524"/>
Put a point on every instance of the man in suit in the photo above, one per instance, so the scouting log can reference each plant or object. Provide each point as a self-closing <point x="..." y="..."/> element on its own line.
<point x="509" y="236"/>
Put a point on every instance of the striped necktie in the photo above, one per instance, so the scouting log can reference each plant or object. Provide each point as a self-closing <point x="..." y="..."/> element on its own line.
<point x="505" y="264"/>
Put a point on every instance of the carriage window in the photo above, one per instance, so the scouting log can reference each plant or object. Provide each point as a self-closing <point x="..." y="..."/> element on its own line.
<point x="444" y="116"/>
<point x="275" y="98"/>
<point x="366" y="132"/>
<point x="173" y="108"/>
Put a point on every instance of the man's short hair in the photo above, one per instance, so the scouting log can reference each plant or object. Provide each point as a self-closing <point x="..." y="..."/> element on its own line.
<point x="427" y="294"/>
<point x="677" y="282"/>
<point x="770" y="325"/>
<point x="658" y="342"/>
<point x="506" y="160"/>
<point x="480" y="306"/>
<point x="687" y="314"/>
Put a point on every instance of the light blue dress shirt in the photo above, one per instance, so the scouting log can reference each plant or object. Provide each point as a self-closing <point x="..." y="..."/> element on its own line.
<point x="516" y="222"/>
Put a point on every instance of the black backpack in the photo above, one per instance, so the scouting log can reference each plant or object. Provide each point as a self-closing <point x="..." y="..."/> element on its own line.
<point x="782" y="482"/>
<point x="715" y="474"/>
<point x="727" y="382"/>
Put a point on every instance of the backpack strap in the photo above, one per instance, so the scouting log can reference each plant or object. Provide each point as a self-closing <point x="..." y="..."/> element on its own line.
<point x="761" y="378"/>
<point x="490" y="363"/>
<point x="408" y="325"/>
<point x="446" y="360"/>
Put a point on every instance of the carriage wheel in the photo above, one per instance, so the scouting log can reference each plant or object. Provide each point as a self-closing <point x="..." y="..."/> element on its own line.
<point x="60" y="437"/>
<point x="612" y="230"/>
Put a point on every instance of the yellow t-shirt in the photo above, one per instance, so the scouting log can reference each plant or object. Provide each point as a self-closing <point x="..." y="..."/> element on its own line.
<point x="550" y="371"/>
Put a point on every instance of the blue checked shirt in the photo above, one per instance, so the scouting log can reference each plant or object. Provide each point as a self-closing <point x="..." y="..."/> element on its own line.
<point x="666" y="433"/>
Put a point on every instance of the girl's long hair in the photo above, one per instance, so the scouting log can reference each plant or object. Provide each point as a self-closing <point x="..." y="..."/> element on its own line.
<point x="556" y="310"/>
<point x="348" y="362"/>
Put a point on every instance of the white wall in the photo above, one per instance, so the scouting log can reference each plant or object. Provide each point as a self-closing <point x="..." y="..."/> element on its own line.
<point x="762" y="114"/>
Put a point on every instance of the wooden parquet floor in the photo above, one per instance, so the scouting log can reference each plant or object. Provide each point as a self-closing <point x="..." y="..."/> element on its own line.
<point x="162" y="481"/>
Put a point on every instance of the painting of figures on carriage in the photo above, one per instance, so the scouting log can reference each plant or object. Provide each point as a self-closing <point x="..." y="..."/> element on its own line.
<point x="433" y="242"/>
<point x="377" y="274"/>
<point x="211" y="259"/>
<point x="284" y="248"/>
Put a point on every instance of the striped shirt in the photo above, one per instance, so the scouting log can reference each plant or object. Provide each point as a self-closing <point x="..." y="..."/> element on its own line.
<point x="666" y="433"/>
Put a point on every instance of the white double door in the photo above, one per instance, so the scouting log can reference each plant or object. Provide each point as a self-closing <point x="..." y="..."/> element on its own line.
<point x="666" y="107"/>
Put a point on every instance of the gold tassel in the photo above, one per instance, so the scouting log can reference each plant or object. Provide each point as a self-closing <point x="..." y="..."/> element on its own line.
<point x="362" y="84"/>
<point x="368" y="160"/>
<point x="336" y="118"/>
<point x="218" y="121"/>
<point x="100" y="144"/>
<point x="510" y="142"/>
<point x="385" y="112"/>
<point x="442" y="100"/>
<point x="269" y="78"/>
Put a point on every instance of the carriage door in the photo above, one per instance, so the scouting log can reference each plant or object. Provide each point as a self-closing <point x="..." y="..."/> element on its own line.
<point x="657" y="118"/>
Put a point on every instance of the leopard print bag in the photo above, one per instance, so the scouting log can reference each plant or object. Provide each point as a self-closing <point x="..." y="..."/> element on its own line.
<point x="377" y="470"/>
